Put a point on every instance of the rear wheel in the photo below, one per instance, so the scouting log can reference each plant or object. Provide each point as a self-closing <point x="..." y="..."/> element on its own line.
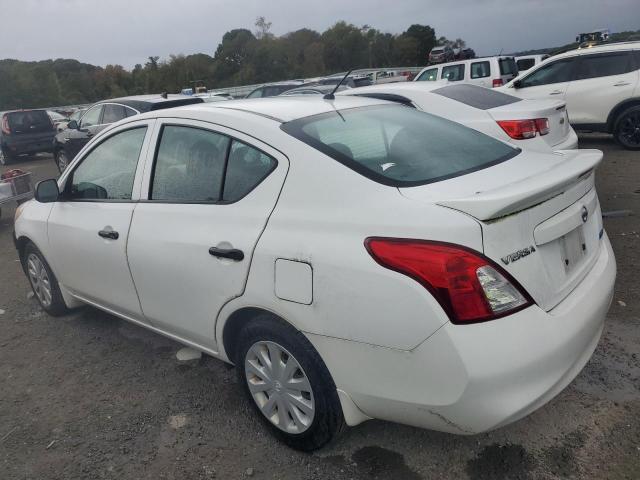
<point x="288" y="384"/>
<point x="627" y="128"/>
<point x="43" y="282"/>
<point x="5" y="157"/>
<point x="61" y="160"/>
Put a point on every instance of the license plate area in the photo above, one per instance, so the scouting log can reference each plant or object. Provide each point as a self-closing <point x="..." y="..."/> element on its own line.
<point x="574" y="249"/>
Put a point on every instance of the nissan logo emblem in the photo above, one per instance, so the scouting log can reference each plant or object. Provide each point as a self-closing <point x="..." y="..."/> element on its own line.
<point x="584" y="214"/>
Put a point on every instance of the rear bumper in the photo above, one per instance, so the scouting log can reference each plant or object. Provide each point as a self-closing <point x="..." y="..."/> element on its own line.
<point x="467" y="379"/>
<point x="28" y="145"/>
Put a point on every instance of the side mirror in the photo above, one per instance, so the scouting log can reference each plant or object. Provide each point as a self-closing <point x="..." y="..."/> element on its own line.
<point x="517" y="84"/>
<point x="72" y="124"/>
<point x="47" y="191"/>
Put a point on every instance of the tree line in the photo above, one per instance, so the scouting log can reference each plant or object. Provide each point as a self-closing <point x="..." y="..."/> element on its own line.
<point x="243" y="57"/>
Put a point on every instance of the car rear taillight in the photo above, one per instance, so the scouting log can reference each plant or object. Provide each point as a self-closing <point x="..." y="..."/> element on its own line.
<point x="5" y="125"/>
<point x="523" y="129"/>
<point x="497" y="82"/>
<point x="469" y="287"/>
<point x="542" y="125"/>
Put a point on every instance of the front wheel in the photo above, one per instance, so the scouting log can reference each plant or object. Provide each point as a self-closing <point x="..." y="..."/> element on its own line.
<point x="627" y="128"/>
<point x="43" y="281"/>
<point x="61" y="160"/>
<point x="288" y="384"/>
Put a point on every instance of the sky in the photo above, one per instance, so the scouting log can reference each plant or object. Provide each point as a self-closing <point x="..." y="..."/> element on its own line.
<point x="126" y="32"/>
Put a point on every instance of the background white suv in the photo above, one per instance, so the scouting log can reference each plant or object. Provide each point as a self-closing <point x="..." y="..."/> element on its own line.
<point x="599" y="84"/>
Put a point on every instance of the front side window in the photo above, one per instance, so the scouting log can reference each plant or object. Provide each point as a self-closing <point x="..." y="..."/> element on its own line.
<point x="399" y="146"/>
<point x="108" y="171"/>
<point x="247" y="168"/>
<point x="91" y="117"/>
<point x="453" y="73"/>
<point x="556" y="72"/>
<point x="430" y="75"/>
<point x="603" y="65"/>
<point x="189" y="165"/>
<point x="256" y="93"/>
<point x="480" y="69"/>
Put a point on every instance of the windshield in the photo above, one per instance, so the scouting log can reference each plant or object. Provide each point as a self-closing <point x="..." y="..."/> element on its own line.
<point x="398" y="145"/>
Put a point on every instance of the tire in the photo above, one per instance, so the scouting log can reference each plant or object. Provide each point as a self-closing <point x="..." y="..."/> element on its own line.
<point x="271" y="336"/>
<point x="40" y="275"/>
<point x="627" y="128"/>
<point x="62" y="160"/>
<point x="5" y="158"/>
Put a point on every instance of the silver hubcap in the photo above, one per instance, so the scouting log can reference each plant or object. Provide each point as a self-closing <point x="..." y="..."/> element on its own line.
<point x="279" y="386"/>
<point x="39" y="279"/>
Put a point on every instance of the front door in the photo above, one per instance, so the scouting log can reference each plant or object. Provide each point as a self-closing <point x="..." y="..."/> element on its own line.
<point x="210" y="193"/>
<point x="88" y="228"/>
<point x="548" y="81"/>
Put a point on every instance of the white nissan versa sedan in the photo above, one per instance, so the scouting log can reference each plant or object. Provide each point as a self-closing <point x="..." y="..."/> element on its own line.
<point x="355" y="258"/>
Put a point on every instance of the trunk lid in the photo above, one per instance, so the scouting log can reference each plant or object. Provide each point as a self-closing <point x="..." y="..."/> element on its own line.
<point x="554" y="110"/>
<point x="540" y="217"/>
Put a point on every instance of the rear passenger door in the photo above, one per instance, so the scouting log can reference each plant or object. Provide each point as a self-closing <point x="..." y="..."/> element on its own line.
<point x="208" y="194"/>
<point x="601" y="82"/>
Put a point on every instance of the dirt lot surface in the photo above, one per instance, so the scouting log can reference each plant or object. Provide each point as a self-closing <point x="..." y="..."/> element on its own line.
<point x="91" y="396"/>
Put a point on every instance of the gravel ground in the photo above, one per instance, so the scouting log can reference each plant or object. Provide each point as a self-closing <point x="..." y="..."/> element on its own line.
<point x="91" y="396"/>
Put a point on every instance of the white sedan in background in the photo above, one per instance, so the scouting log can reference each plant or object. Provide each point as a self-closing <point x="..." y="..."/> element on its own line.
<point x="538" y="124"/>
<point x="354" y="258"/>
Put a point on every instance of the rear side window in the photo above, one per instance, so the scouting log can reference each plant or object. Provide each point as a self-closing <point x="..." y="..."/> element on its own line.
<point x="107" y="172"/>
<point x="453" y="73"/>
<point x="194" y="165"/>
<point x="508" y="66"/>
<point x="555" y="72"/>
<point x="189" y="165"/>
<point x="258" y="93"/>
<point x="29" y="121"/>
<point x="480" y="69"/>
<point x="113" y="113"/>
<point x="525" y="64"/>
<point x="430" y="75"/>
<point x="399" y="146"/>
<point x="247" y="167"/>
<point x="603" y="65"/>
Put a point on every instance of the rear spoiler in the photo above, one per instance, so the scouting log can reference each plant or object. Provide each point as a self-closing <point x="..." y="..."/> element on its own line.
<point x="514" y="197"/>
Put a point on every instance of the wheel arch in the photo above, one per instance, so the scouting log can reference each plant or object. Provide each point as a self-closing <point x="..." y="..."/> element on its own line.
<point x="235" y="322"/>
<point x="618" y="109"/>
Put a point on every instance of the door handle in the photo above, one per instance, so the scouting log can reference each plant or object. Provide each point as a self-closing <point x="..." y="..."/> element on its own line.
<point x="621" y="84"/>
<point x="556" y="92"/>
<point x="110" y="234"/>
<point x="231" y="253"/>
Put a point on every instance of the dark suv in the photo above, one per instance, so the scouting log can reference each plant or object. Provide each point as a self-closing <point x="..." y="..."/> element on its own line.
<point x="100" y="115"/>
<point x="25" y="132"/>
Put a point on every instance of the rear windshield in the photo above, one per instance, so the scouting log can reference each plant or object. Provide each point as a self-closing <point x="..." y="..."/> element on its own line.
<point x="29" y="121"/>
<point x="399" y="146"/>
<point x="508" y="66"/>
<point x="477" y="97"/>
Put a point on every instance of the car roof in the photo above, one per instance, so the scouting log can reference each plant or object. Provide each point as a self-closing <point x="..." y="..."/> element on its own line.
<point x="604" y="47"/>
<point x="144" y="103"/>
<point x="280" y="109"/>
